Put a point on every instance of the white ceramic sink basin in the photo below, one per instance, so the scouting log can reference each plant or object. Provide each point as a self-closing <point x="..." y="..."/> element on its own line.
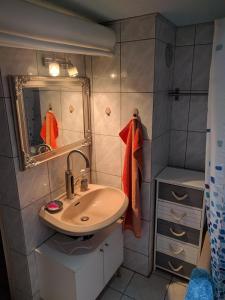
<point x="88" y="212"/>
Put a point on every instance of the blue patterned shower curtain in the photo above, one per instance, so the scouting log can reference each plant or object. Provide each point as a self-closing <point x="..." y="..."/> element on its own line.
<point x="215" y="160"/>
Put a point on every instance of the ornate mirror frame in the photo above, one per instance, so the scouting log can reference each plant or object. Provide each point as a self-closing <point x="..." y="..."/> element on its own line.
<point x="17" y="83"/>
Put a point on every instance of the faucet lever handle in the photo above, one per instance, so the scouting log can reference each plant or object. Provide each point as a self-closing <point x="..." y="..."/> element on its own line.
<point x="72" y="184"/>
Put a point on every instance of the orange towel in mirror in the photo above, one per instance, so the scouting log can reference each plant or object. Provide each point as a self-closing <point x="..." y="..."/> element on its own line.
<point x="132" y="174"/>
<point x="49" y="131"/>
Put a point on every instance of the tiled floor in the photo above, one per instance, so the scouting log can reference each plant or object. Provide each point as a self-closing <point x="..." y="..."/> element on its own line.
<point x="130" y="285"/>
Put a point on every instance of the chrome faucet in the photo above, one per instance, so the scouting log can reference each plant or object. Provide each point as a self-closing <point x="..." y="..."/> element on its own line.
<point x="69" y="175"/>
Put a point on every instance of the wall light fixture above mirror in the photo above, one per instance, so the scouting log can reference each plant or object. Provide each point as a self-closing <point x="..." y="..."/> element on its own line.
<point x="55" y="64"/>
<point x="51" y="116"/>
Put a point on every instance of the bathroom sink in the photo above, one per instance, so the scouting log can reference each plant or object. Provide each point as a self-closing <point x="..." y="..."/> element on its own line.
<point x="88" y="212"/>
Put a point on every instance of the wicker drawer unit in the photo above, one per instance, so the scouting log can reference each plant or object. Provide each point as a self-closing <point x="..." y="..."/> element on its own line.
<point x="180" y="216"/>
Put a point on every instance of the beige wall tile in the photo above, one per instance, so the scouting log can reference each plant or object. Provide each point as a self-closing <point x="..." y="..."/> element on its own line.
<point x="104" y="123"/>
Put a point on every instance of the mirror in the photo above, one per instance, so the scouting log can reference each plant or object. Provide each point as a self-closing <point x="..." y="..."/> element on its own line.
<point x="52" y="116"/>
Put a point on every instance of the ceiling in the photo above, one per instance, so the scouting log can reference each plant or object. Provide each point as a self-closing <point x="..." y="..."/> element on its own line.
<point x="180" y="12"/>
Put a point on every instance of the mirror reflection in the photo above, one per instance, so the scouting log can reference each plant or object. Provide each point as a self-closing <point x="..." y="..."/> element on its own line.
<point x="54" y="117"/>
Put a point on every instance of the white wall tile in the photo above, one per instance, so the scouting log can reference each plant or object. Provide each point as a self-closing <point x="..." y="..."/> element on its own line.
<point x="138" y="28"/>
<point x="104" y="123"/>
<point x="137" y="66"/>
<point x="161" y="114"/>
<point x="5" y="145"/>
<point x="183" y="67"/>
<point x="145" y="201"/>
<point x="140" y="245"/>
<point x="15" y="61"/>
<point x="201" y="67"/>
<point x="204" y="33"/>
<point x="8" y="194"/>
<point x="106" y="179"/>
<point x="180" y="113"/>
<point x="106" y="72"/>
<point x="75" y="120"/>
<point x="164" y="63"/>
<point x="13" y="229"/>
<point x="198" y="113"/>
<point x="147" y="161"/>
<point x="136" y="262"/>
<point x="165" y="30"/>
<point x="144" y="103"/>
<point x="33" y="184"/>
<point x="160" y="154"/>
<point x="108" y="154"/>
<point x="196" y="147"/>
<point x="177" y="148"/>
<point x="185" y="35"/>
<point x="35" y="231"/>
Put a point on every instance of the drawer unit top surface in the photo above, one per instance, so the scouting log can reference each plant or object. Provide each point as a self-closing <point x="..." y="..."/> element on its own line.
<point x="183" y="177"/>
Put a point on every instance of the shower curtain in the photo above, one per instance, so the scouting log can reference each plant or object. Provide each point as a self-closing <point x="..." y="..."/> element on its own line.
<point x="215" y="160"/>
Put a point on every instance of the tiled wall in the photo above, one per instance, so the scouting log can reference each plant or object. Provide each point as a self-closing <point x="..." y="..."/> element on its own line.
<point x="189" y="114"/>
<point x="133" y="79"/>
<point x="23" y="193"/>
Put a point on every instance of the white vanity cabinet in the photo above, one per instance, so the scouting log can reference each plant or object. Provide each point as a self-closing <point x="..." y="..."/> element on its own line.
<point x="73" y="270"/>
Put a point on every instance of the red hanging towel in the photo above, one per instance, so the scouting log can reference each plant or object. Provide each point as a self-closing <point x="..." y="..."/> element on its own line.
<point x="49" y="131"/>
<point x="132" y="174"/>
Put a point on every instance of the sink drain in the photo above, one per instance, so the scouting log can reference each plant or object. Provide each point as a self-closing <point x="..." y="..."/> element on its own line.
<point x="83" y="219"/>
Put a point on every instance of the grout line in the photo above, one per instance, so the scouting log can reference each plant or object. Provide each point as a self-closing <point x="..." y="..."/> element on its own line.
<point x="129" y="281"/>
<point x="171" y="280"/>
<point x="189" y="106"/>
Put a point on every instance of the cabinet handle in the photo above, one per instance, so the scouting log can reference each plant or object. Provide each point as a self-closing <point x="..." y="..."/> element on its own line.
<point x="179" y="198"/>
<point x="176" y="252"/>
<point x="106" y="244"/>
<point x="177" y="234"/>
<point x="101" y="250"/>
<point x="173" y="268"/>
<point x="176" y="216"/>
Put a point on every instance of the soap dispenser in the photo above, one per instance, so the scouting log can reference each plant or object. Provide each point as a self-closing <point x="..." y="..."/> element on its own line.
<point x="83" y="182"/>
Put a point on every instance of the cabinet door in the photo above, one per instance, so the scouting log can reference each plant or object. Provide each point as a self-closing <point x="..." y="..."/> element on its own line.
<point x="113" y="253"/>
<point x="89" y="279"/>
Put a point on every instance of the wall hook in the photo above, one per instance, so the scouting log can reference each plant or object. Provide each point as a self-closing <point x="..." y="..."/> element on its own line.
<point x="71" y="108"/>
<point x="108" y="111"/>
<point x="135" y="113"/>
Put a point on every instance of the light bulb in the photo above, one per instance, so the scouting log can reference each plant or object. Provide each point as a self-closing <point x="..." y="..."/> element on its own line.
<point x="54" y="69"/>
<point x="72" y="71"/>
